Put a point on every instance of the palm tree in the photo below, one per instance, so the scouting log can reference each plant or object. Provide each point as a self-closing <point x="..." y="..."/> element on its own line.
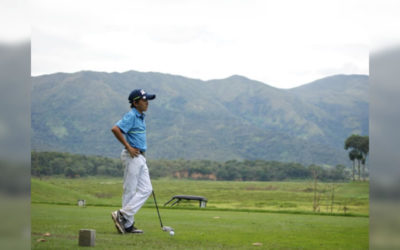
<point x="359" y="146"/>
<point x="363" y="167"/>
<point x="353" y="156"/>
<point x="359" y="158"/>
<point x="364" y="148"/>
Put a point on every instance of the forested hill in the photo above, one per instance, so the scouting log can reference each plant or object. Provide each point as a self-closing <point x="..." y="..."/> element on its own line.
<point x="226" y="119"/>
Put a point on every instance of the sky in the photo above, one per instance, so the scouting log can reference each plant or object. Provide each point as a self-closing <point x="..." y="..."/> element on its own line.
<point x="281" y="43"/>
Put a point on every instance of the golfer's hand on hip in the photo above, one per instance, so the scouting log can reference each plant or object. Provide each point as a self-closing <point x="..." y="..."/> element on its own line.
<point x="134" y="152"/>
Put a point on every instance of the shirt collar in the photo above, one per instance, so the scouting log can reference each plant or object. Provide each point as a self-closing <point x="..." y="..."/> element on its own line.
<point x="137" y="113"/>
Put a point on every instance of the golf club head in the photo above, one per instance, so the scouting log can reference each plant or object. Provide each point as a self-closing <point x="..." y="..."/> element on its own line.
<point x="167" y="229"/>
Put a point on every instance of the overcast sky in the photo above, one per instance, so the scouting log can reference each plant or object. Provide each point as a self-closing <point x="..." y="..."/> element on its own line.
<point x="282" y="43"/>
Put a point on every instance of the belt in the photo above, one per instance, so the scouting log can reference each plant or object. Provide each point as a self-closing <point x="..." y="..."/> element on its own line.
<point x="140" y="152"/>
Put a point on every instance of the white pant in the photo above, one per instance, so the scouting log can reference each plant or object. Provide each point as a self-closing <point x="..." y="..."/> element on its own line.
<point x="137" y="185"/>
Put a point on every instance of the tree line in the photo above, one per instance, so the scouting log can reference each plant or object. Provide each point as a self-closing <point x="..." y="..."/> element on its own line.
<point x="74" y="166"/>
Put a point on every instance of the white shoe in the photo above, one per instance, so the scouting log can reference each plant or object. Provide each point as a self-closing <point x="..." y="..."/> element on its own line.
<point x="118" y="219"/>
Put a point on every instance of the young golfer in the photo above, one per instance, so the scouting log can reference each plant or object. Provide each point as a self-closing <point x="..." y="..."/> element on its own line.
<point x="131" y="132"/>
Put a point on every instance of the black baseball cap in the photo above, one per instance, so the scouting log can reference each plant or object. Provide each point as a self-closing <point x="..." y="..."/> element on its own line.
<point x="137" y="94"/>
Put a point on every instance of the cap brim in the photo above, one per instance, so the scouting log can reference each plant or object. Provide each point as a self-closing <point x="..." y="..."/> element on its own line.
<point x="150" y="97"/>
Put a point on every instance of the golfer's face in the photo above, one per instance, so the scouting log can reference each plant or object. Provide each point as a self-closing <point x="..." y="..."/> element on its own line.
<point x="142" y="105"/>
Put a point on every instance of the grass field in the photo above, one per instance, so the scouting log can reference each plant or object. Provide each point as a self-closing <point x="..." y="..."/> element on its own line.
<point x="270" y="196"/>
<point x="278" y="215"/>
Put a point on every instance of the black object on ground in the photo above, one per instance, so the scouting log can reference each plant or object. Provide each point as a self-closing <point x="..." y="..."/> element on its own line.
<point x="202" y="200"/>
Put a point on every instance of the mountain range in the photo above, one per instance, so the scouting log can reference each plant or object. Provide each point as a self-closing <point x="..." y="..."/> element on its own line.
<point x="225" y="119"/>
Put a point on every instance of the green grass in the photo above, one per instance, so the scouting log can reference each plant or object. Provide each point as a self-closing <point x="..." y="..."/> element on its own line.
<point x="198" y="229"/>
<point x="268" y="196"/>
<point x="277" y="214"/>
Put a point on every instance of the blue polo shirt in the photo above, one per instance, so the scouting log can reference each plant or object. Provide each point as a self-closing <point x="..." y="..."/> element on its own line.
<point x="134" y="128"/>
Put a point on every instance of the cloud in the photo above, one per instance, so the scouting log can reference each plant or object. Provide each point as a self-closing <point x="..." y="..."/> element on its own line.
<point x="267" y="41"/>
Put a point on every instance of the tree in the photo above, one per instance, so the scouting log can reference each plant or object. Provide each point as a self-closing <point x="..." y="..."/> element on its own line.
<point x="359" y="158"/>
<point x="359" y="146"/>
<point x="69" y="172"/>
<point x="339" y="173"/>
<point x="363" y="168"/>
<point x="364" y="147"/>
<point x="353" y="156"/>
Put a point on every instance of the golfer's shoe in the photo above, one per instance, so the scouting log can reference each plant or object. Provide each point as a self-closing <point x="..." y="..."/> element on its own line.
<point x="132" y="229"/>
<point x="118" y="219"/>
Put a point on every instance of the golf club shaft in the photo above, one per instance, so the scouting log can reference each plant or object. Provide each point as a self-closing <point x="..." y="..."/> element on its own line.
<point x="155" y="201"/>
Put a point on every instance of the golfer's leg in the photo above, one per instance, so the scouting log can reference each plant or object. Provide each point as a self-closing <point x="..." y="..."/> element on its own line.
<point x="144" y="187"/>
<point x="125" y="163"/>
<point x="131" y="175"/>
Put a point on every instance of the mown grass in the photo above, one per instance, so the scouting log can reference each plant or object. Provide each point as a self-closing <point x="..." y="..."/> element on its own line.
<point x="267" y="196"/>
<point x="197" y="229"/>
<point x="276" y="214"/>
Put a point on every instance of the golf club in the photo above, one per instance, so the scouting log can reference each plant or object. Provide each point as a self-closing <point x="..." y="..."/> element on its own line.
<point x="164" y="228"/>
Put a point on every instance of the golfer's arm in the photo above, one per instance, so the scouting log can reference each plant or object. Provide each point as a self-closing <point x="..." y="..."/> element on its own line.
<point x="120" y="136"/>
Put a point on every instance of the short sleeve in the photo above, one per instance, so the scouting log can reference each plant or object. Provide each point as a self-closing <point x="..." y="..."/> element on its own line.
<point x="126" y="123"/>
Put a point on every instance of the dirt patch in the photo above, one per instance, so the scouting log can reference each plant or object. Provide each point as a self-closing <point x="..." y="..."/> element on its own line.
<point x="198" y="176"/>
<point x="268" y="188"/>
<point x="181" y="174"/>
<point x="103" y="195"/>
<point x="65" y="236"/>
